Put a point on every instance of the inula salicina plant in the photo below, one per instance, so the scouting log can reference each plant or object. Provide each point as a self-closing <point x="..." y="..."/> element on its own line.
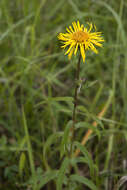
<point x="79" y="39"/>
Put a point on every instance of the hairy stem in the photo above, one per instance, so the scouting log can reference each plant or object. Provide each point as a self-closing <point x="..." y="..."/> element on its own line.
<point x="75" y="103"/>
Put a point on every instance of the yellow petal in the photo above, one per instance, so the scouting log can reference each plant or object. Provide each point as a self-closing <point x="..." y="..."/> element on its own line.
<point x="68" y="31"/>
<point x="71" y="52"/>
<point x="78" y="25"/>
<point x="82" y="27"/>
<point x="75" y="26"/>
<point x="95" y="27"/>
<point x="76" y="48"/>
<point x="93" y="48"/>
<point x="91" y="26"/>
<point x="82" y="52"/>
<point x="64" y="46"/>
<point x="85" y="30"/>
<point x="71" y="29"/>
<point x="96" y="43"/>
<point x="69" y="49"/>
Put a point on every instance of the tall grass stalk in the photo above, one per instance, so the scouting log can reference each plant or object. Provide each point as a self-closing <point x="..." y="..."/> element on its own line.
<point x="29" y="148"/>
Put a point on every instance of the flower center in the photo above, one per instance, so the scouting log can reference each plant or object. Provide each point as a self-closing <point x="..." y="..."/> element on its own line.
<point x="80" y="36"/>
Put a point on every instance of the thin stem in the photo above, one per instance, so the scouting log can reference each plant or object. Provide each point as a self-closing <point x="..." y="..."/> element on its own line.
<point x="75" y="103"/>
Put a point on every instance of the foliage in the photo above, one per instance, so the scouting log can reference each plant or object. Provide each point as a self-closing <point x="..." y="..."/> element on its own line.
<point x="36" y="102"/>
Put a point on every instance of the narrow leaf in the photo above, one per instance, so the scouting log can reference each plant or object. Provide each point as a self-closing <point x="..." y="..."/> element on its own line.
<point x="83" y="180"/>
<point x="65" y="139"/>
<point x="87" y="157"/>
<point x="22" y="163"/>
<point x="48" y="176"/>
<point x="61" y="174"/>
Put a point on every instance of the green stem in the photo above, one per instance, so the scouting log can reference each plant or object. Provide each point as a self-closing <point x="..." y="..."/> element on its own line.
<point x="75" y="104"/>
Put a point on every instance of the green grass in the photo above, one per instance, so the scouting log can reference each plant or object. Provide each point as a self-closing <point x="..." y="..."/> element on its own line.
<point x="36" y="97"/>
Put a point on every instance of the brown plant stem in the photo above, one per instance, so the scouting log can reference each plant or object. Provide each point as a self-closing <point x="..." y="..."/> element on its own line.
<point x="75" y="103"/>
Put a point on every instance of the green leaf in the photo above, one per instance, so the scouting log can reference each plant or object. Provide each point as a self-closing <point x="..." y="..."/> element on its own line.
<point x="90" y="84"/>
<point x="52" y="138"/>
<point x="48" y="176"/>
<point x="61" y="174"/>
<point x="22" y="163"/>
<point x="83" y="180"/>
<point x="99" y="122"/>
<point x="80" y="159"/>
<point x="65" y="139"/>
<point x="64" y="99"/>
<point x="83" y="109"/>
<point x="56" y="99"/>
<point x="87" y="125"/>
<point x="87" y="157"/>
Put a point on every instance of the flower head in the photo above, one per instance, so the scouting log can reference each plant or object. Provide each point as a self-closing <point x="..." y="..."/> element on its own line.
<point x="79" y="37"/>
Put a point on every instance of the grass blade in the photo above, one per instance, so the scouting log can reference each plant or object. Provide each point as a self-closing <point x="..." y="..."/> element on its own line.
<point x="30" y="154"/>
<point x="48" y="176"/>
<point x="61" y="174"/>
<point x="84" y="180"/>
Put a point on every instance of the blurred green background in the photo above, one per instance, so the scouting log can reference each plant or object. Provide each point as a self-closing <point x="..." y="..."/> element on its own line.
<point x="37" y="86"/>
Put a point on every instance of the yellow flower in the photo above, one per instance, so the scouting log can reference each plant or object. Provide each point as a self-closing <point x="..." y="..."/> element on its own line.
<point x="80" y="37"/>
